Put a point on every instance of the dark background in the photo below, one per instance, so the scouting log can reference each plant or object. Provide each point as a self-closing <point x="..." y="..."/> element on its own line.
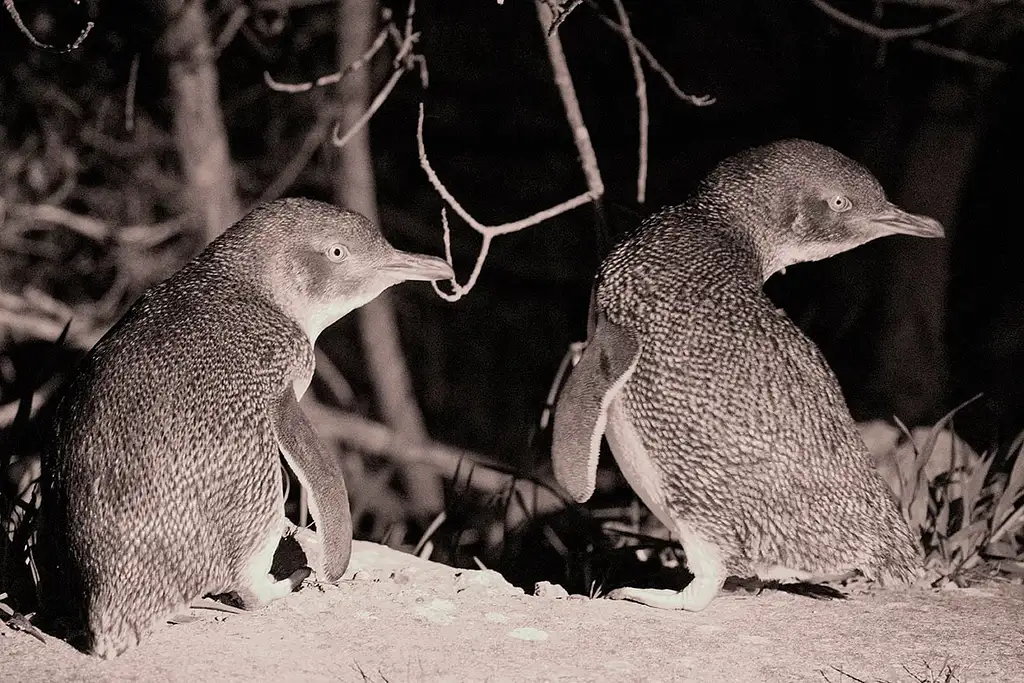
<point x="911" y="327"/>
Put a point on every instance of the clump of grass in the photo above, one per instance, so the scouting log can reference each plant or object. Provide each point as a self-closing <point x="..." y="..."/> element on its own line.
<point x="966" y="507"/>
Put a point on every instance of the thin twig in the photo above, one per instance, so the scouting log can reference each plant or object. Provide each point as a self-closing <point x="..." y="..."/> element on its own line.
<point x="641" y="96"/>
<point x="129" y="95"/>
<point x="958" y="55"/>
<point x="83" y="225"/>
<point x="39" y="397"/>
<point x="564" y="11"/>
<point x="331" y="78"/>
<point x="405" y="60"/>
<point x="504" y="228"/>
<point x="339" y="140"/>
<point x="13" y="11"/>
<point x="328" y="372"/>
<point x="310" y="144"/>
<point x="373" y="438"/>
<point x="888" y="34"/>
<point x="588" y="161"/>
<point x="563" y="79"/>
<point x="19" y="315"/>
<point x="652" y="62"/>
<point x="231" y="28"/>
<point x="135" y="235"/>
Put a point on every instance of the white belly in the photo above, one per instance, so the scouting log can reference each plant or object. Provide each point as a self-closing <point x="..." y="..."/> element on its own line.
<point x="642" y="474"/>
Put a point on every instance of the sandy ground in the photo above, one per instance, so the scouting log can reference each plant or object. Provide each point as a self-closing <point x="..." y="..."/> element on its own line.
<point x="399" y="618"/>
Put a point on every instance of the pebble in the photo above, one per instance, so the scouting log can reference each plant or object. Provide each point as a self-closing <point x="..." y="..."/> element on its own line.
<point x="529" y="633"/>
<point x="546" y="589"/>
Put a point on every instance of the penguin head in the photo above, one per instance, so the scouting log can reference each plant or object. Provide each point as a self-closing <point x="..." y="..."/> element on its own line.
<point x="812" y="202"/>
<point x="318" y="262"/>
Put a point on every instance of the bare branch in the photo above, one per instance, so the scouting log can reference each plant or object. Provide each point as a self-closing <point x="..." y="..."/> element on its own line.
<point x="641" y="96"/>
<point x="135" y="235"/>
<point x="695" y="100"/>
<point x="332" y="78"/>
<point x="13" y="11"/>
<point x="564" y="11"/>
<point x="405" y="60"/>
<point x="340" y="140"/>
<point x="129" y="95"/>
<point x="958" y="55"/>
<point x="39" y="316"/>
<point x="314" y="138"/>
<point x="888" y="34"/>
<point x="231" y="28"/>
<point x="83" y="225"/>
<point x="563" y="79"/>
<point x="458" y="291"/>
<point x="374" y="438"/>
<point x="504" y="228"/>
<point x="328" y="372"/>
<point x="9" y="411"/>
<point x="588" y="161"/>
<point x="489" y="232"/>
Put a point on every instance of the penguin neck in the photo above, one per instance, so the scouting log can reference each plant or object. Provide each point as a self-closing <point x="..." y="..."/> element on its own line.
<point x="312" y="317"/>
<point x="750" y="219"/>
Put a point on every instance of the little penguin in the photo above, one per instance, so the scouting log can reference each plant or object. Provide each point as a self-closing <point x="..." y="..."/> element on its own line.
<point x="722" y="415"/>
<point x="162" y="479"/>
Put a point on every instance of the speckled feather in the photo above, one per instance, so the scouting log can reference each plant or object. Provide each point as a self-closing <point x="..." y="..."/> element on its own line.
<point x="162" y="475"/>
<point x="106" y="478"/>
<point x="738" y="409"/>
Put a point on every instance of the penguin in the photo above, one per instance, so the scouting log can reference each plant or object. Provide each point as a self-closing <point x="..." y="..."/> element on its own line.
<point x="162" y="479"/>
<point x="722" y="415"/>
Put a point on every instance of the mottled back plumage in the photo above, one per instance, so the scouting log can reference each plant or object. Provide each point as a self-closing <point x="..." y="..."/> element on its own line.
<point x="162" y="478"/>
<point x="725" y="417"/>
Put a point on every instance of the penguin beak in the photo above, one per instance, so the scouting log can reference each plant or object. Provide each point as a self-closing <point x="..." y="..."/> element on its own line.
<point x="402" y="266"/>
<point x="895" y="221"/>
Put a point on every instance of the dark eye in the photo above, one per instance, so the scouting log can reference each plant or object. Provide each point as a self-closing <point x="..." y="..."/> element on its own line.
<point x="839" y="204"/>
<point x="337" y="252"/>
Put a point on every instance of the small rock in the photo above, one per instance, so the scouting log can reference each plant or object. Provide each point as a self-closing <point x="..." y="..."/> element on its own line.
<point x="546" y="589"/>
<point x="528" y="633"/>
<point x="486" y="580"/>
<point x="496" y="617"/>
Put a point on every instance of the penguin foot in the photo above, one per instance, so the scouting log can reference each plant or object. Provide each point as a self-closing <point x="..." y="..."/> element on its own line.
<point x="695" y="597"/>
<point x="266" y="588"/>
<point x="298" y="576"/>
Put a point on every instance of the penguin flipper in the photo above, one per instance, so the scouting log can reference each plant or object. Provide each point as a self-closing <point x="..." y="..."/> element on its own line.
<point x="321" y="475"/>
<point x="581" y="412"/>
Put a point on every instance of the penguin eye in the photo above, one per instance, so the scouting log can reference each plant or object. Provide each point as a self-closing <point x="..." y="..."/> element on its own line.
<point x="839" y="204"/>
<point x="337" y="252"/>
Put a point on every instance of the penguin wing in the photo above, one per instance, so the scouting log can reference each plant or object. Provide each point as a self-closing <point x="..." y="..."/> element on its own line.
<point x="321" y="474"/>
<point x="581" y="412"/>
